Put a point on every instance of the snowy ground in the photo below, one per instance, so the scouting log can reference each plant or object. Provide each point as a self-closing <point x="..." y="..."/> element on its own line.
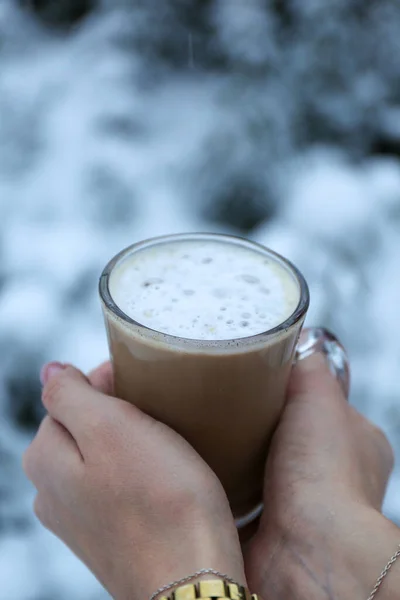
<point x="102" y="144"/>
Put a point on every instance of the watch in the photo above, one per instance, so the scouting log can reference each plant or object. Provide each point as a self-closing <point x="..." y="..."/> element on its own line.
<point x="211" y="589"/>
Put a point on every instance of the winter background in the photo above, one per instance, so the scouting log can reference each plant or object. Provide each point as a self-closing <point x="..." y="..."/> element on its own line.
<point x="119" y="120"/>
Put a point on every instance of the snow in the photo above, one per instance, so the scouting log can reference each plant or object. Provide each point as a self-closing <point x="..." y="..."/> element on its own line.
<point x="131" y="124"/>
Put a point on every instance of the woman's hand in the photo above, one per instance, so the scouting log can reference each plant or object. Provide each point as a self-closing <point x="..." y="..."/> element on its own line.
<point x="129" y="496"/>
<point x="322" y="535"/>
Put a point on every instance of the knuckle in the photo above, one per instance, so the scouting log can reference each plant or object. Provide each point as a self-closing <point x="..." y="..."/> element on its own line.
<point x="28" y="462"/>
<point x="53" y="391"/>
<point x="102" y="429"/>
<point x="375" y="432"/>
<point x="40" y="512"/>
<point x="31" y="462"/>
<point x="385" y="447"/>
<point x="358" y="418"/>
<point x="43" y="514"/>
<point x="365" y="426"/>
<point x="379" y="441"/>
<point x="33" y="457"/>
<point x="109" y="440"/>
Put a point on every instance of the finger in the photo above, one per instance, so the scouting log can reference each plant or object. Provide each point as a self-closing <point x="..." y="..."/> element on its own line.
<point x="316" y="405"/>
<point x="318" y="420"/>
<point x="102" y="379"/>
<point x="71" y="400"/>
<point x="316" y="414"/>
<point x="82" y="410"/>
<point x="322" y="368"/>
<point x="312" y="376"/>
<point x="53" y="457"/>
<point x="320" y="340"/>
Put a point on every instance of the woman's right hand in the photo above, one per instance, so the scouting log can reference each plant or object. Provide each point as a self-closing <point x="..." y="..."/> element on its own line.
<point x="322" y="535"/>
<point x="127" y="494"/>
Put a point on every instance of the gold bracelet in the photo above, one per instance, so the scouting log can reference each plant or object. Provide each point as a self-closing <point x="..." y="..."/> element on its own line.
<point x="211" y="589"/>
<point x="222" y="588"/>
<point x="384" y="573"/>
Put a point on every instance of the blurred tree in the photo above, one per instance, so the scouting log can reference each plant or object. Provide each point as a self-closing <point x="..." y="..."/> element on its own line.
<point x="111" y="200"/>
<point x="176" y="34"/>
<point x="242" y="205"/>
<point x="23" y="392"/>
<point x="61" y="13"/>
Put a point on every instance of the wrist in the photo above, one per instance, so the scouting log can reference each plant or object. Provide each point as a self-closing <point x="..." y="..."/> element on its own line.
<point x="341" y="556"/>
<point x="197" y="538"/>
<point x="210" y="531"/>
<point x="383" y="542"/>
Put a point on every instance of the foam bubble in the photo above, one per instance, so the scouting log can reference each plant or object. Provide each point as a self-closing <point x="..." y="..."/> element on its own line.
<point x="205" y="290"/>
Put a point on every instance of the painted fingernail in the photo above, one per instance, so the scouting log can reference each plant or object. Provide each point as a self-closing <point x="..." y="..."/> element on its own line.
<point x="318" y="339"/>
<point x="50" y="370"/>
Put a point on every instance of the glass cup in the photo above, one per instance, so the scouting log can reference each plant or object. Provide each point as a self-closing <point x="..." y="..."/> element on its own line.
<point x="224" y="396"/>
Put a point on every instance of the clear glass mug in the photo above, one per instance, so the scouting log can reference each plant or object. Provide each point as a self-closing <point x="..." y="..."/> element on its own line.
<point x="224" y="397"/>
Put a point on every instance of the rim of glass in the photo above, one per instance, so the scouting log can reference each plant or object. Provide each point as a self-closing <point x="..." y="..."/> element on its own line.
<point x="294" y="318"/>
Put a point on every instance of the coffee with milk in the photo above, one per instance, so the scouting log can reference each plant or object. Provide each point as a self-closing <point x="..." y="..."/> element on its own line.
<point x="202" y="332"/>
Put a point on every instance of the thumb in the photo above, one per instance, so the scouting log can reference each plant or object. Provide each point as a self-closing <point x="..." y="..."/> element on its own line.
<point x="316" y="407"/>
<point x="315" y="417"/>
<point x="332" y="355"/>
<point x="305" y="444"/>
<point x="312" y="380"/>
<point x="317" y="393"/>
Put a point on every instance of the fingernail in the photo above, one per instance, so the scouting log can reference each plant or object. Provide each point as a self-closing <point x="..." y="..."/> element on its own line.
<point x="318" y="339"/>
<point x="50" y="370"/>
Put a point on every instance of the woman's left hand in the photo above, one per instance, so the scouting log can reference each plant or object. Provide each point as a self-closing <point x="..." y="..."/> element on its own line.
<point x="322" y="534"/>
<point x="127" y="494"/>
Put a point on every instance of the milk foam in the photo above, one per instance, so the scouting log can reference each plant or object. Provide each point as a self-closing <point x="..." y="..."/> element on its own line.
<point x="204" y="290"/>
